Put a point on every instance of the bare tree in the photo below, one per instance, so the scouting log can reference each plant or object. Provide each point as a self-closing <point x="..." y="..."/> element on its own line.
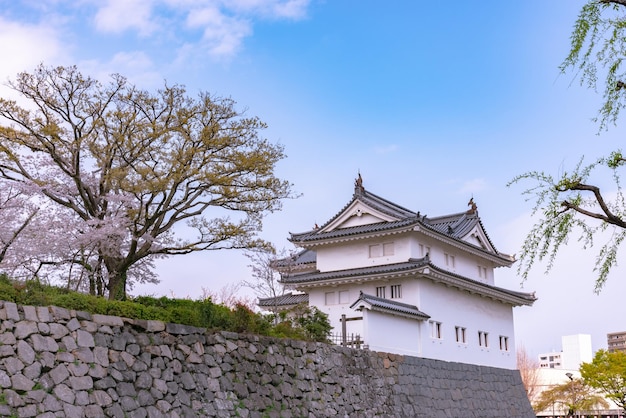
<point x="265" y="280"/>
<point x="529" y="371"/>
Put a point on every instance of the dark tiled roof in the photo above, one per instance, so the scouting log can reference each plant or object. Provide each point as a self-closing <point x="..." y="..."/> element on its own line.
<point x="354" y="230"/>
<point x="384" y="205"/>
<point x="457" y="225"/>
<point x="317" y="276"/>
<point x="303" y="257"/>
<point x="529" y="298"/>
<point x="287" y="299"/>
<point x="370" y="199"/>
<point x="409" y="267"/>
<point x="390" y="306"/>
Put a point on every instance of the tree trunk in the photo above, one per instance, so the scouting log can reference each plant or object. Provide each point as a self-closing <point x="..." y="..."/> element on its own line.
<point x="117" y="272"/>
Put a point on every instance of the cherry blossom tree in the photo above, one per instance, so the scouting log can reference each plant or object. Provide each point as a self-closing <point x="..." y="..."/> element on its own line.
<point x="132" y="166"/>
<point x="16" y="214"/>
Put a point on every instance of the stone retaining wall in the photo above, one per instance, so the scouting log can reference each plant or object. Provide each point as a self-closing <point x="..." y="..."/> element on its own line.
<point x="60" y="363"/>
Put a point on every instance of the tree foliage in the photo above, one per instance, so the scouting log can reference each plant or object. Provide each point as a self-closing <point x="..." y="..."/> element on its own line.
<point x="573" y="202"/>
<point x="572" y="205"/>
<point x="129" y="167"/>
<point x="607" y="372"/>
<point x="16" y="216"/>
<point x="306" y="322"/>
<point x="596" y="55"/>
<point x="573" y="396"/>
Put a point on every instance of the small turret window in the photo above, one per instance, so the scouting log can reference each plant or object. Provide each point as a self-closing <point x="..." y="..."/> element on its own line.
<point x="381" y="250"/>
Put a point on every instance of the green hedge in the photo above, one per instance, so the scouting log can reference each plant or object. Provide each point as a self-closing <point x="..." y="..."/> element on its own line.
<point x="198" y="313"/>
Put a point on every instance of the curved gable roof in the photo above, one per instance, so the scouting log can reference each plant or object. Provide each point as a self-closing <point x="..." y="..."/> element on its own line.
<point x="388" y="306"/>
<point x="288" y="299"/>
<point x="459" y="226"/>
<point x="464" y="228"/>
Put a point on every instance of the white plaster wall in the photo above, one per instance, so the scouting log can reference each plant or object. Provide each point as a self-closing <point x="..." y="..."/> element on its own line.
<point x="355" y="254"/>
<point x="465" y="264"/>
<point x="446" y="305"/>
<point x="454" y="308"/>
<point x="392" y="334"/>
<point x="317" y="297"/>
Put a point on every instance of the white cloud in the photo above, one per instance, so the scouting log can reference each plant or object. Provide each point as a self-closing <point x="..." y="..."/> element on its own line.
<point x="119" y="15"/>
<point x="226" y="24"/>
<point x="24" y="46"/>
<point x="222" y="35"/>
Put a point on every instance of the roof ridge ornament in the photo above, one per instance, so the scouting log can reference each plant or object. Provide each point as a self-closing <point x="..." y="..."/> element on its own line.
<point x="358" y="185"/>
<point x="473" y="207"/>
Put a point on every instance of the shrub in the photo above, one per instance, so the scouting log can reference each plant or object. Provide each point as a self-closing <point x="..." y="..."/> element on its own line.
<point x="303" y="322"/>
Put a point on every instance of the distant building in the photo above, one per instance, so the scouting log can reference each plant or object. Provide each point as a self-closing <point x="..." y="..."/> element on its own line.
<point x="616" y="341"/>
<point x="551" y="360"/>
<point x="576" y="349"/>
<point x="560" y="367"/>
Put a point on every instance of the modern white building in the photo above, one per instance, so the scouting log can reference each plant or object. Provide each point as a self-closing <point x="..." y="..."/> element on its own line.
<point x="575" y="350"/>
<point x="561" y="367"/>
<point x="408" y="283"/>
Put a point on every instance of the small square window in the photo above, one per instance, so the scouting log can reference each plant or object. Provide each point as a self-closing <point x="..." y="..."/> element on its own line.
<point x="330" y="298"/>
<point x="396" y="291"/>
<point x="483" y="339"/>
<point x="482" y="272"/>
<point x="460" y="334"/>
<point x="344" y="296"/>
<point x="450" y="260"/>
<point x="435" y="330"/>
<point x="376" y="250"/>
<point x="504" y="343"/>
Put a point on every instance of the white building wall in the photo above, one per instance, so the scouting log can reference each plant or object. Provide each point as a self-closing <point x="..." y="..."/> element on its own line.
<point x="576" y="350"/>
<point x="317" y="297"/>
<point x="357" y="254"/>
<point x="406" y="333"/>
<point x="454" y="308"/>
<point x="445" y="305"/>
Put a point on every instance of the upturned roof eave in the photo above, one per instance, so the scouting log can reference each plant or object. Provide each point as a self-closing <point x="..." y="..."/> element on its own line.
<point x="317" y="239"/>
<point x="429" y="271"/>
<point x="503" y="260"/>
<point x="388" y="306"/>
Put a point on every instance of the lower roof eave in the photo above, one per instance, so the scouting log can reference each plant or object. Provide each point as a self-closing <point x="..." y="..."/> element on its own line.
<point x="488" y="291"/>
<point x="497" y="294"/>
<point x="349" y="280"/>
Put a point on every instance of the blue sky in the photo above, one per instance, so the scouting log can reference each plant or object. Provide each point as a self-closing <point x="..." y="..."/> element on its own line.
<point x="433" y="102"/>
